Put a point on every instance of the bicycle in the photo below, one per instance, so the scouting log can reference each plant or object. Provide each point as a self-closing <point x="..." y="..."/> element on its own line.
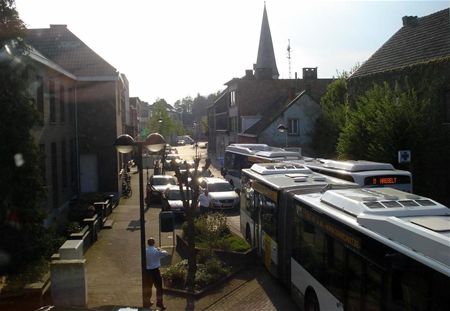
<point x="127" y="192"/>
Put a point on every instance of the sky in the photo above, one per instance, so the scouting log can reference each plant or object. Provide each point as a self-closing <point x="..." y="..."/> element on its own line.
<point x="172" y="49"/>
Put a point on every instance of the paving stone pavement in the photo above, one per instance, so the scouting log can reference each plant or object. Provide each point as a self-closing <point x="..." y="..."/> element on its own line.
<point x="114" y="273"/>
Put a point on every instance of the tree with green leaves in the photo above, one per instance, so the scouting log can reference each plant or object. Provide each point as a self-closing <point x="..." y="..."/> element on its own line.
<point x="329" y="125"/>
<point x="160" y="121"/>
<point x="388" y="119"/>
<point x="24" y="238"/>
<point x="190" y="212"/>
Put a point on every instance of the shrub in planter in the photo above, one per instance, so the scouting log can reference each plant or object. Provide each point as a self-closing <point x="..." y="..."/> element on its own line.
<point x="209" y="270"/>
<point x="72" y="227"/>
<point x="175" y="276"/>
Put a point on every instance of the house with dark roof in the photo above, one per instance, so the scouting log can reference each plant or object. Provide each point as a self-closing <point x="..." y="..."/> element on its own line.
<point x="100" y="95"/>
<point x="417" y="57"/>
<point x="256" y="97"/>
<point x="421" y="45"/>
<point x="298" y="116"/>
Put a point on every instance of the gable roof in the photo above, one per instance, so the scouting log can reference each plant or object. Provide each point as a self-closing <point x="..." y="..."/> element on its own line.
<point x="65" y="49"/>
<point x="271" y="115"/>
<point x="419" y="40"/>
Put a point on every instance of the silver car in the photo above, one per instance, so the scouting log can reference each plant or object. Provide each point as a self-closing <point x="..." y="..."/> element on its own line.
<point x="222" y="194"/>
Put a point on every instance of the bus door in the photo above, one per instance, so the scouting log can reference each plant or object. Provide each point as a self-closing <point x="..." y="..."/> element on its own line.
<point x="267" y="228"/>
<point x="285" y="228"/>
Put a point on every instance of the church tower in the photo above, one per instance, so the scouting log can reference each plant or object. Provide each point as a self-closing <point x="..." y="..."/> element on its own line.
<point x="266" y="66"/>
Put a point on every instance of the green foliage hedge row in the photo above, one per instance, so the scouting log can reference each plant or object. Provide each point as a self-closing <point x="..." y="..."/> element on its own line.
<point x="373" y="117"/>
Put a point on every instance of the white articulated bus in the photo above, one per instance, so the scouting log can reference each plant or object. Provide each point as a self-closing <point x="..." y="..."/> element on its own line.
<point x="265" y="187"/>
<point x="351" y="248"/>
<point x="364" y="173"/>
<point x="241" y="156"/>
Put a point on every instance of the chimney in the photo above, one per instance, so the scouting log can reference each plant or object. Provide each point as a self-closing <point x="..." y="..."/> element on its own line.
<point x="410" y="21"/>
<point x="249" y="74"/>
<point x="310" y="73"/>
<point x="58" y="26"/>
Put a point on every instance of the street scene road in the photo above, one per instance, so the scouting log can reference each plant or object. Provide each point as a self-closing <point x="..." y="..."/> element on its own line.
<point x="113" y="269"/>
<point x="187" y="152"/>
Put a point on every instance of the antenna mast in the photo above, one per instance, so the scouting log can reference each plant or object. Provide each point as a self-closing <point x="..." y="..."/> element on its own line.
<point x="289" y="56"/>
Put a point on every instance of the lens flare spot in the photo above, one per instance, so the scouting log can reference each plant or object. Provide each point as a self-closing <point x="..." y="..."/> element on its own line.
<point x="18" y="159"/>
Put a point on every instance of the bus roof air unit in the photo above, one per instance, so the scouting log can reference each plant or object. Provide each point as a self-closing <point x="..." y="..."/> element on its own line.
<point x="280" y="168"/>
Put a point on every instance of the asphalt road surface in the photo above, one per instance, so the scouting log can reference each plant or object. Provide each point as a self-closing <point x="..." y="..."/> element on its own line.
<point x="187" y="152"/>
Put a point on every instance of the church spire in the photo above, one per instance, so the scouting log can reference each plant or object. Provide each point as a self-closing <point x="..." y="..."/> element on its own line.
<point x="266" y="66"/>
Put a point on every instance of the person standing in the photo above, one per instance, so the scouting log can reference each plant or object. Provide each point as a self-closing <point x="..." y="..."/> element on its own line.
<point x="153" y="260"/>
<point x="204" y="201"/>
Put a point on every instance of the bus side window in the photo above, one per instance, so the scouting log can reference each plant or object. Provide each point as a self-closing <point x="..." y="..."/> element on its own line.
<point x="374" y="289"/>
<point x="354" y="282"/>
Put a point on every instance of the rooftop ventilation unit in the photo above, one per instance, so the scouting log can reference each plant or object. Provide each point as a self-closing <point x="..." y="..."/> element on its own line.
<point x="355" y="166"/>
<point x="383" y="202"/>
<point x="280" y="168"/>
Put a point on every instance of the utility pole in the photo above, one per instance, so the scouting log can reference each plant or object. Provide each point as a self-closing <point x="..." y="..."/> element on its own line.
<point x="289" y="56"/>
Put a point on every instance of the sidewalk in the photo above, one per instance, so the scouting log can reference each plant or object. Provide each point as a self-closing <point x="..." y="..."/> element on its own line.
<point x="113" y="262"/>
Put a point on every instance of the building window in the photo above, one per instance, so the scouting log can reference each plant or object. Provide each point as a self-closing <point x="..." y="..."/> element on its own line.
<point x="40" y="94"/>
<point x="232" y="98"/>
<point x="54" y="167"/>
<point x="42" y="165"/>
<point x="293" y="127"/>
<point x="64" y="164"/>
<point x="71" y="105"/>
<point x="234" y="124"/>
<point x="51" y="90"/>
<point x="73" y="165"/>
<point x="62" y="103"/>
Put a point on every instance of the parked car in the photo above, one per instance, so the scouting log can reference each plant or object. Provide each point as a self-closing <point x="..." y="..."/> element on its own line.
<point x="172" y="200"/>
<point x="181" y="142"/>
<point x="221" y="192"/>
<point x="169" y="158"/>
<point x="188" y="140"/>
<point x="156" y="185"/>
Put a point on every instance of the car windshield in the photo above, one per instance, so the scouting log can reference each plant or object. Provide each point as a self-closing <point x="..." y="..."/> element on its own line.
<point x="158" y="181"/>
<point x="220" y="187"/>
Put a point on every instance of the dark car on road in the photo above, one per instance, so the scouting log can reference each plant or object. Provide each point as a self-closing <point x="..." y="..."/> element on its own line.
<point x="156" y="185"/>
<point x="168" y="160"/>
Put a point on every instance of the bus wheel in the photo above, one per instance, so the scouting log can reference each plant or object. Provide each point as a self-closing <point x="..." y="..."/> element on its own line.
<point x="248" y="235"/>
<point x="311" y="302"/>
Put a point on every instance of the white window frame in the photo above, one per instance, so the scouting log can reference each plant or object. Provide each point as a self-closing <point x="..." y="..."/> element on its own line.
<point x="293" y="126"/>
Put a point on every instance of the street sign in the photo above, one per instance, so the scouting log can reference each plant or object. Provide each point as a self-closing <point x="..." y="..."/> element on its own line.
<point x="404" y="156"/>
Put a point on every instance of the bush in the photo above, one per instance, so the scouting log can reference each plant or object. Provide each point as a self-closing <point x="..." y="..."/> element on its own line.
<point x="176" y="274"/>
<point x="209" y="270"/>
<point x="212" y="232"/>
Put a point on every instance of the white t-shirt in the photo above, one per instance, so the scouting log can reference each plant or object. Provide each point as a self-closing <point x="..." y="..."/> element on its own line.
<point x="204" y="200"/>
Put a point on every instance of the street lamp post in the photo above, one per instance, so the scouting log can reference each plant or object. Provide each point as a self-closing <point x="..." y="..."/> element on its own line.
<point x="125" y="144"/>
<point x="194" y="126"/>
<point x="283" y="129"/>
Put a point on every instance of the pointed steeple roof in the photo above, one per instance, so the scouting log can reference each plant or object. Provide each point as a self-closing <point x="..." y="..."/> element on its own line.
<point x="266" y="66"/>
